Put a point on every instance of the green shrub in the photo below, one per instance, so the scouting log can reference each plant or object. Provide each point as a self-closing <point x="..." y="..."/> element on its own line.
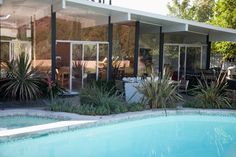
<point x="97" y="100"/>
<point x="193" y="103"/>
<point x="86" y="110"/>
<point x="106" y="101"/>
<point x="106" y="85"/>
<point x="212" y="94"/>
<point x="133" y="107"/>
<point x="62" y="106"/>
<point x="102" y="110"/>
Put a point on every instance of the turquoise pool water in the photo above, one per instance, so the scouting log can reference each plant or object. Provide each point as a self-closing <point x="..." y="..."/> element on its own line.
<point x="172" y="136"/>
<point x="12" y="122"/>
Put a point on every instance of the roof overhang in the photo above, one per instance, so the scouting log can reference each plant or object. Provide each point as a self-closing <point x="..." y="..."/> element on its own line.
<point x="25" y="9"/>
<point x="172" y="24"/>
<point x="169" y="24"/>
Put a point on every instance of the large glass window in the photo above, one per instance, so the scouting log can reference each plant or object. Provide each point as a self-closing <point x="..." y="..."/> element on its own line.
<point x="171" y="60"/>
<point x="184" y="59"/>
<point x="148" y="59"/>
<point x="73" y="26"/>
<point x="89" y="63"/>
<point x="42" y="43"/>
<point x="83" y="34"/>
<point x="5" y="50"/>
<point x="193" y="59"/>
<point x="16" y="32"/>
<point x="123" y="50"/>
<point x="184" y="53"/>
<point x="184" y="38"/>
<point x="204" y="57"/>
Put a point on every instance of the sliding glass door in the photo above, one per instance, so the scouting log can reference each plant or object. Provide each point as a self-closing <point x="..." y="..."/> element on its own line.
<point x="184" y="59"/>
<point x="88" y="63"/>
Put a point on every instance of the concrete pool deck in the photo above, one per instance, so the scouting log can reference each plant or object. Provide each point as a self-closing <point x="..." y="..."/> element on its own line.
<point x="71" y="121"/>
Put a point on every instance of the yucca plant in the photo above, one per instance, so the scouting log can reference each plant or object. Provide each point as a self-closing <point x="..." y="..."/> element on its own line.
<point x="212" y="94"/>
<point x="23" y="80"/>
<point x="159" y="93"/>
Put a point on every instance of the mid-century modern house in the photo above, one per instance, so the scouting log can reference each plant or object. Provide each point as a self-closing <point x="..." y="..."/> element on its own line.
<point x="79" y="40"/>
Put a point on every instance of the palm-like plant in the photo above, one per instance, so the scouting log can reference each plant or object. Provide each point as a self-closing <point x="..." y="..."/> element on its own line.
<point x="212" y="94"/>
<point x="158" y="93"/>
<point x="23" y="81"/>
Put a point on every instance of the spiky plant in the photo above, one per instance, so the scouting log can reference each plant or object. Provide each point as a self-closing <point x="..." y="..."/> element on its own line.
<point x="23" y="81"/>
<point x="159" y="93"/>
<point x="105" y="101"/>
<point x="212" y="94"/>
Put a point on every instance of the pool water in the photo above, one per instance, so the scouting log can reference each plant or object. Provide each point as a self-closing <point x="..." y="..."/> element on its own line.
<point x="172" y="136"/>
<point x="12" y="122"/>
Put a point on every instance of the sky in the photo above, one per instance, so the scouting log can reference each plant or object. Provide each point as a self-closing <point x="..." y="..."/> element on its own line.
<point x="154" y="6"/>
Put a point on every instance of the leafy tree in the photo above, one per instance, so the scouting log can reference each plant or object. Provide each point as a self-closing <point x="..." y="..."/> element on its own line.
<point x="203" y="10"/>
<point x="225" y="16"/>
<point x="197" y="10"/>
<point x="181" y="9"/>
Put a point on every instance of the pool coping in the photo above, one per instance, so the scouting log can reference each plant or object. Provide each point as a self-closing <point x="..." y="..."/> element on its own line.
<point x="74" y="121"/>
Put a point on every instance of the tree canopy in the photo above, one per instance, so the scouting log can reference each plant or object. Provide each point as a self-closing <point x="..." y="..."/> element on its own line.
<point x="197" y="10"/>
<point x="225" y="16"/>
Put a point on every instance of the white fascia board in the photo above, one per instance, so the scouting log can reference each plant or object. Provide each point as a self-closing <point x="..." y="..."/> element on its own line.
<point x="210" y="27"/>
<point x="59" y="5"/>
<point x="222" y="36"/>
<point x="214" y="35"/>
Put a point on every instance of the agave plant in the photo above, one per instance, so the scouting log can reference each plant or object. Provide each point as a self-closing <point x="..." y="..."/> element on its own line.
<point x="159" y="93"/>
<point x="212" y="94"/>
<point x="23" y="80"/>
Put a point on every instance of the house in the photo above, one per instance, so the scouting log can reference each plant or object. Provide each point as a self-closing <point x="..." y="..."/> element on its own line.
<point x="79" y="40"/>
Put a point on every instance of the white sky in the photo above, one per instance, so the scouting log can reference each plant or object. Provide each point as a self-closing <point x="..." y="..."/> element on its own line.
<point x="154" y="6"/>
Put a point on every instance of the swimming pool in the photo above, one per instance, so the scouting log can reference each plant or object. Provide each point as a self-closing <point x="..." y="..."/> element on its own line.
<point x="13" y="122"/>
<point x="172" y="136"/>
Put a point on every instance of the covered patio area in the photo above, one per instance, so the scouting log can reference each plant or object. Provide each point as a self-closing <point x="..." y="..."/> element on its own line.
<point x="78" y="41"/>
